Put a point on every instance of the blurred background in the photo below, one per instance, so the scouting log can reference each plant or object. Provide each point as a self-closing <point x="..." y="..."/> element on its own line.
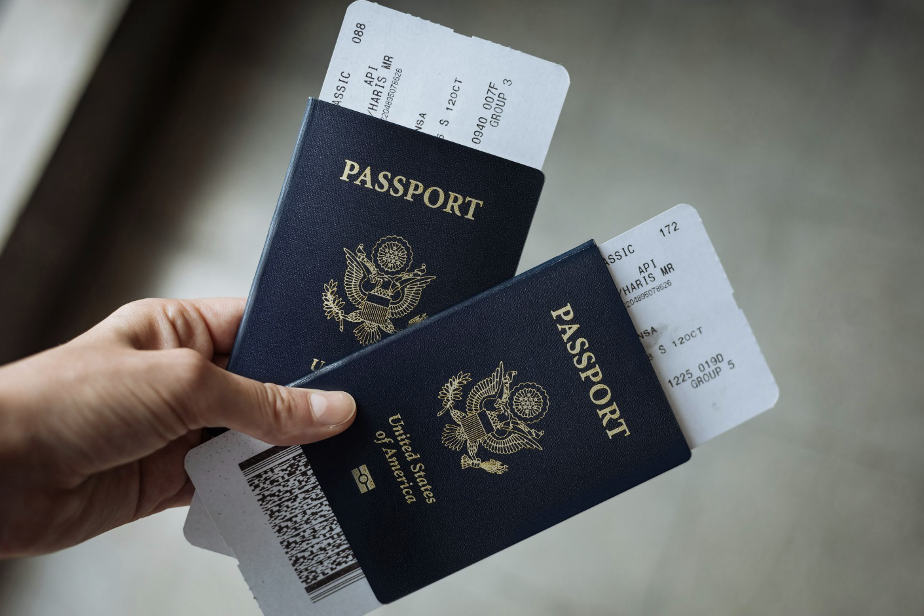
<point x="143" y="145"/>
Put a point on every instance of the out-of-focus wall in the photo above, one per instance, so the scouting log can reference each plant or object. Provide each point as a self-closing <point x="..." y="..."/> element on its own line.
<point x="48" y="50"/>
<point x="795" y="128"/>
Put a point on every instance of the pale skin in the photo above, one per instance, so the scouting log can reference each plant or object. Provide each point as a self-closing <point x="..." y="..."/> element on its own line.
<point x="93" y="433"/>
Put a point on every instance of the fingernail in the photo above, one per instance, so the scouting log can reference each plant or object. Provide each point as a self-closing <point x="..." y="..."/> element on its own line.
<point x="332" y="408"/>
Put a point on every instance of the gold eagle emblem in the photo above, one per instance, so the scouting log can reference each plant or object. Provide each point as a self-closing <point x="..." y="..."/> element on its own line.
<point x="498" y="416"/>
<point x="382" y="287"/>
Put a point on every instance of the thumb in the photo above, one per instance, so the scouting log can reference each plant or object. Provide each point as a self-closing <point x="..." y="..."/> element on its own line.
<point x="272" y="413"/>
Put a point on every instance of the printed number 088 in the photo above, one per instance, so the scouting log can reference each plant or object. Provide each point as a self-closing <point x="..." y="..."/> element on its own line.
<point x="358" y="33"/>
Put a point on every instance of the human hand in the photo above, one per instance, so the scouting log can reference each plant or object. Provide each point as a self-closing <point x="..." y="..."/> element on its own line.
<point x="93" y="433"/>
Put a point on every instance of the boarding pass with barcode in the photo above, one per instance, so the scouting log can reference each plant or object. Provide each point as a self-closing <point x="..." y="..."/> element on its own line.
<point x="273" y="516"/>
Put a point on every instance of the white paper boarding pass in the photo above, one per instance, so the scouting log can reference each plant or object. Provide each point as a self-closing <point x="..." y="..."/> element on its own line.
<point x="426" y="77"/>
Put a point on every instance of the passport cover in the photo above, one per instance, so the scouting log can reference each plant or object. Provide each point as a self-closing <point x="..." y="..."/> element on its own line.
<point x="500" y="417"/>
<point x="377" y="227"/>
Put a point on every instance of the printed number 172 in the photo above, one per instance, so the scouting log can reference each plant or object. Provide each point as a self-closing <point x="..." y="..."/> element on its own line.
<point x="669" y="228"/>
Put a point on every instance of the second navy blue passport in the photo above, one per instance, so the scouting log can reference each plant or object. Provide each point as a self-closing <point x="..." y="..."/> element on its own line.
<point x="377" y="228"/>
<point x="500" y="417"/>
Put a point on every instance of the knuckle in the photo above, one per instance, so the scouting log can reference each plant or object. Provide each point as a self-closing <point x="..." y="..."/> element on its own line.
<point x="165" y="324"/>
<point x="141" y="307"/>
<point x="138" y="321"/>
<point x="186" y="326"/>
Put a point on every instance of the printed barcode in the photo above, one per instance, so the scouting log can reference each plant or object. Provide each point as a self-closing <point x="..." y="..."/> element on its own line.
<point x="302" y="520"/>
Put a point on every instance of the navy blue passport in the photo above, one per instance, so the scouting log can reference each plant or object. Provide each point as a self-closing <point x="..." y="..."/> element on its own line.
<point x="377" y="228"/>
<point x="491" y="422"/>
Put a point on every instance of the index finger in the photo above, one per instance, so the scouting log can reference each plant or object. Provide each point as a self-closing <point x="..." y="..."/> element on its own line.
<point x="207" y="326"/>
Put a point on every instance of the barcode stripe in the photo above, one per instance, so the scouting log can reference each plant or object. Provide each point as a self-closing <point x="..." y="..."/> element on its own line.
<point x="256" y="466"/>
<point x="302" y="520"/>
<point x="343" y="583"/>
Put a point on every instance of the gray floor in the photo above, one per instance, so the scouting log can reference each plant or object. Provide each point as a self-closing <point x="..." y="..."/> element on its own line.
<point x="794" y="128"/>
